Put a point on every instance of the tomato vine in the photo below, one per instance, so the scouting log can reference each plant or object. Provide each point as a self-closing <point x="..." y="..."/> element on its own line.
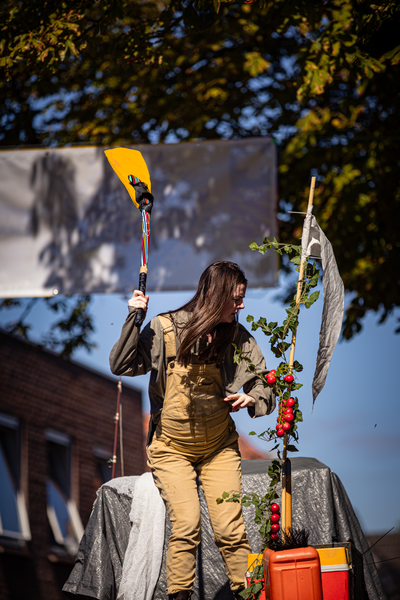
<point x="283" y="385"/>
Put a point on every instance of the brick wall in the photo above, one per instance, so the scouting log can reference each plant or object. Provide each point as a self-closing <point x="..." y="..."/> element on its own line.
<point x="45" y="392"/>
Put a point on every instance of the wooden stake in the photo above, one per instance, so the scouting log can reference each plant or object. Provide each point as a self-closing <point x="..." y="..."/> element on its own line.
<point x="286" y="522"/>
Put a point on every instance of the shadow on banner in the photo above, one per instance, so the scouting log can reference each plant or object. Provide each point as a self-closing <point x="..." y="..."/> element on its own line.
<point x="68" y="224"/>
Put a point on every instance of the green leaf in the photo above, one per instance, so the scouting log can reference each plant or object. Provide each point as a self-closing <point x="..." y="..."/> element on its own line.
<point x="277" y="352"/>
<point x="296" y="386"/>
<point x="292" y="448"/>
<point x="314" y="280"/>
<point x="256" y="587"/>
<point x="313" y="298"/>
<point x="297" y="366"/>
<point x="392" y="55"/>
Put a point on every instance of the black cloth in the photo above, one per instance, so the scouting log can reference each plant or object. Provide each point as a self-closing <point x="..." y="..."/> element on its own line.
<point x="320" y="505"/>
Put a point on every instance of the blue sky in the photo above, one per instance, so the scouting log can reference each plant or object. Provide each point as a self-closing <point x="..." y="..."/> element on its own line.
<point x="354" y="427"/>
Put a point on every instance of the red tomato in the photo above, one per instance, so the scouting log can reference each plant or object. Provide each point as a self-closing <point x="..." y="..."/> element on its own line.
<point x="275" y="518"/>
<point x="288" y="417"/>
<point x="289" y="378"/>
<point x="271" y="372"/>
<point x="288" y="411"/>
<point x="271" y="379"/>
<point x="274" y="536"/>
<point x="275" y="507"/>
<point x="275" y="528"/>
<point x="280" y="433"/>
<point x="286" y="426"/>
<point x="290" y="402"/>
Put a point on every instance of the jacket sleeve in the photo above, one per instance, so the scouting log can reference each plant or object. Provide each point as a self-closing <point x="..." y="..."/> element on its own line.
<point x="136" y="353"/>
<point x="252" y="385"/>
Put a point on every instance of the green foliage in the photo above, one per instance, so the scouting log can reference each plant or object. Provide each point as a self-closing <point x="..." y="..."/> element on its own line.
<point x="278" y="333"/>
<point x="67" y="334"/>
<point x="322" y="78"/>
<point x="261" y="504"/>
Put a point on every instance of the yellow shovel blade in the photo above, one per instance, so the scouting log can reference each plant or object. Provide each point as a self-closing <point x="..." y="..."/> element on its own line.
<point x="129" y="162"/>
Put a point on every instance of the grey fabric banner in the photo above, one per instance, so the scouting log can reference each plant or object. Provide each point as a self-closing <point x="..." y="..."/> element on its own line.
<point x="316" y="244"/>
<point x="67" y="222"/>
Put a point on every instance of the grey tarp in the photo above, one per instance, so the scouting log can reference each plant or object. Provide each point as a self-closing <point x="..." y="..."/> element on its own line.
<point x="320" y="505"/>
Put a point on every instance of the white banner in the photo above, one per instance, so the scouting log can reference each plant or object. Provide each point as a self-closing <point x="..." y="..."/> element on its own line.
<point x="67" y="224"/>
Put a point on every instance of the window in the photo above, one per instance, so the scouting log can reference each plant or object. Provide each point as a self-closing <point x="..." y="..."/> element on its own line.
<point x="64" y="519"/>
<point x="103" y="466"/>
<point x="13" y="515"/>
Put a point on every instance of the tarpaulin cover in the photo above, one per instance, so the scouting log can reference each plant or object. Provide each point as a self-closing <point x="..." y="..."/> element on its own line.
<point x="67" y="223"/>
<point x="320" y="505"/>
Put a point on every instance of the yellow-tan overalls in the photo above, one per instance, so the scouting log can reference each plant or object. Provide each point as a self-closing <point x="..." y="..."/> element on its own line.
<point x="196" y="436"/>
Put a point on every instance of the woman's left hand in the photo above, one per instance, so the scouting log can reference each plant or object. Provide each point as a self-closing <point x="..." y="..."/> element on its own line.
<point x="240" y="401"/>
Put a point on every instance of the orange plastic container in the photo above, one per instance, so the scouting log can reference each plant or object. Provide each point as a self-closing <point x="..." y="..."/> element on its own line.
<point x="292" y="574"/>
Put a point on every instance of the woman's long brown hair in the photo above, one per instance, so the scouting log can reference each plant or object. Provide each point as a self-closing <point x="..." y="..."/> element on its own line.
<point x="216" y="286"/>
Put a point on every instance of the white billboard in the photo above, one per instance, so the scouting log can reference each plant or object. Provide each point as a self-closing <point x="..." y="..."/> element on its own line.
<point x="67" y="224"/>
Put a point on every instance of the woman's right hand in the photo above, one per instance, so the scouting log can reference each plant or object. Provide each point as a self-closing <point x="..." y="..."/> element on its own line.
<point x="139" y="300"/>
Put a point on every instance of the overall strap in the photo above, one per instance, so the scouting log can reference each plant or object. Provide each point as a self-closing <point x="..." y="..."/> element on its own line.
<point x="169" y="336"/>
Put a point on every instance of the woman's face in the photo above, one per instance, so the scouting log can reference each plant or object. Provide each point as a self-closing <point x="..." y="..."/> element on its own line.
<point x="233" y="305"/>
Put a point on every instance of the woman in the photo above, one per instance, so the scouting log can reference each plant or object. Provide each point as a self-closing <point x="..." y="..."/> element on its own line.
<point x="194" y="385"/>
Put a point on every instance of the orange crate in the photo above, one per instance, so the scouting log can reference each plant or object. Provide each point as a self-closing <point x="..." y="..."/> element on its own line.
<point x="292" y="574"/>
